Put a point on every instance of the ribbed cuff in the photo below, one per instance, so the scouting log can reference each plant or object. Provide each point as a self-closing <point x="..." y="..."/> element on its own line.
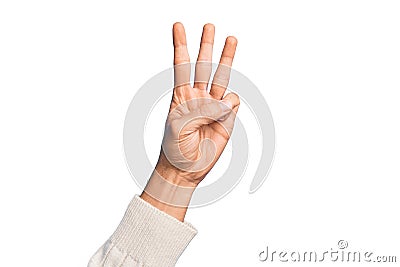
<point x="152" y="236"/>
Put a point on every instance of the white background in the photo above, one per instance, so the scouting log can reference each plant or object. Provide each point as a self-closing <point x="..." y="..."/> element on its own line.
<point x="329" y="71"/>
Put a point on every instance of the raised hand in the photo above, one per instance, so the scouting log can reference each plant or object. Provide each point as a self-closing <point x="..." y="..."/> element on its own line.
<point x="199" y="122"/>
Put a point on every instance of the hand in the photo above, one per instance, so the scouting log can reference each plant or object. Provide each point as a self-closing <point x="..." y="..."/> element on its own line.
<point x="199" y="122"/>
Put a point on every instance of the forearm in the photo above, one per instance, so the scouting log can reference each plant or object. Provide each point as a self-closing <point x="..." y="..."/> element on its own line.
<point x="168" y="191"/>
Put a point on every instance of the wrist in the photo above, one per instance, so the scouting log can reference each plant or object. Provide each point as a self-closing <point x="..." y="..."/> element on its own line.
<point x="175" y="175"/>
<point x="169" y="192"/>
<point x="169" y="189"/>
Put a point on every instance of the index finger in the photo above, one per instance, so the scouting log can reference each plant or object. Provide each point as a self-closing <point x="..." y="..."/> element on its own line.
<point x="221" y="77"/>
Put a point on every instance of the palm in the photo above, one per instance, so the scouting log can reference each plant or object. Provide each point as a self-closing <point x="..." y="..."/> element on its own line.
<point x="191" y="137"/>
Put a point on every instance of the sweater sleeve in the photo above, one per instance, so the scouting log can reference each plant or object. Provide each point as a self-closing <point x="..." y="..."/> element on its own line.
<point x="147" y="237"/>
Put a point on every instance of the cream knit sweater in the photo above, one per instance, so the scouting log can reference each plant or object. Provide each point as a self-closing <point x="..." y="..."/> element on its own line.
<point x="146" y="237"/>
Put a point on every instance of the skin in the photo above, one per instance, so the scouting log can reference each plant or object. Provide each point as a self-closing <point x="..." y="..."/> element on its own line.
<point x="203" y="107"/>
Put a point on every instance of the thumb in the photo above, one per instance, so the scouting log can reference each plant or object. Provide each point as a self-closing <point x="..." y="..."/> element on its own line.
<point x="207" y="113"/>
<point x="233" y="99"/>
